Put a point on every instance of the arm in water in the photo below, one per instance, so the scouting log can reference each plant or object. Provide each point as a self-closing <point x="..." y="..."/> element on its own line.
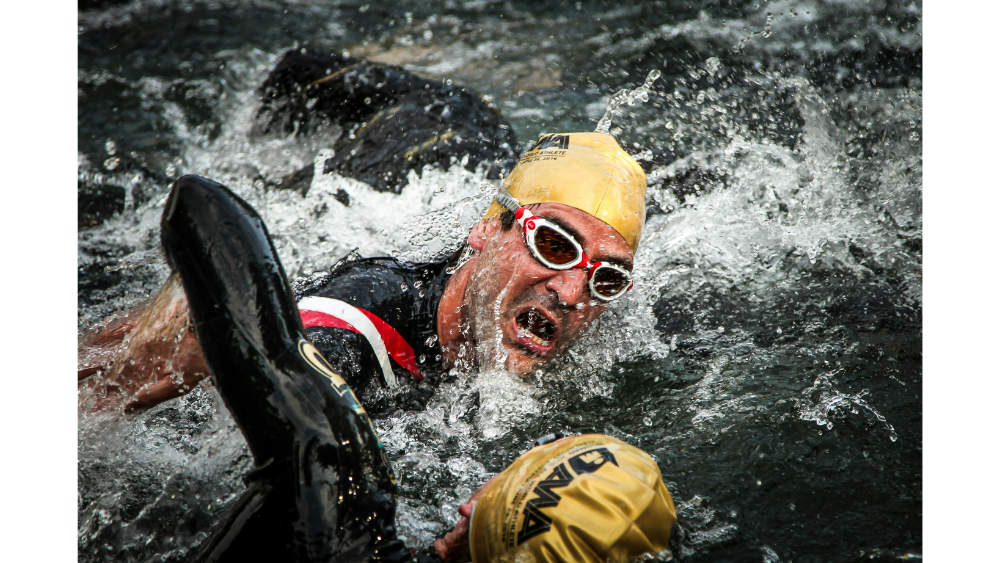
<point x="144" y="357"/>
<point x="322" y="489"/>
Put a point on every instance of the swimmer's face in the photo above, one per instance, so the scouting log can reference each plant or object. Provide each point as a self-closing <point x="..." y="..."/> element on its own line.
<point x="531" y="311"/>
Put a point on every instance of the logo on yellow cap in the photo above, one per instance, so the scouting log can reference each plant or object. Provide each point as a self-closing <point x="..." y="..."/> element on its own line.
<point x="534" y="520"/>
<point x="551" y="142"/>
<point x="587" y="498"/>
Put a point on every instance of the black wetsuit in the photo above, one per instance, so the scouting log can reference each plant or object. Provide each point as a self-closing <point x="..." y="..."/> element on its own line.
<point x="393" y="121"/>
<point x="400" y="300"/>
<point x="322" y="489"/>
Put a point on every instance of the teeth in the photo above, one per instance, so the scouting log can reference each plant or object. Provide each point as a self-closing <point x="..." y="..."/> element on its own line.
<point x="533" y="321"/>
<point x="524" y="333"/>
<point x="539" y="341"/>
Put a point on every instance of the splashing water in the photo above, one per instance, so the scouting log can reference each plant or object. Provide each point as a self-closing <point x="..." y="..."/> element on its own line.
<point x="767" y="358"/>
<point x="626" y="97"/>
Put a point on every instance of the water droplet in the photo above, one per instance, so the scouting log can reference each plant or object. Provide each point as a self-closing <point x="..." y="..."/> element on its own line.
<point x="625" y="97"/>
<point x="779" y="330"/>
<point x="647" y="421"/>
<point x="403" y="286"/>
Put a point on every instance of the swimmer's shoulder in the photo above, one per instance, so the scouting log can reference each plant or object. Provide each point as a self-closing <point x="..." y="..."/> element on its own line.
<point x="370" y="281"/>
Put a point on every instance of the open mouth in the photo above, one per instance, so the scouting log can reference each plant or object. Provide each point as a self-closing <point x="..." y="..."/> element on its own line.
<point x="535" y="330"/>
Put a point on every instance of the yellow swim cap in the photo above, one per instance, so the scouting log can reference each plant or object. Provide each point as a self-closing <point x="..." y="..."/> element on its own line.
<point x="589" y="498"/>
<point x="588" y="171"/>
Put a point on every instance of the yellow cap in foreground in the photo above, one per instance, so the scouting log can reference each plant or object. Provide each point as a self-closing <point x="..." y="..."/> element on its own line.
<point x="588" y="498"/>
<point x="588" y="171"/>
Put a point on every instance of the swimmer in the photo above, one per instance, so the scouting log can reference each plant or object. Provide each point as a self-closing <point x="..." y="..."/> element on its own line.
<point x="392" y="121"/>
<point x="554" y="249"/>
<point x="322" y="488"/>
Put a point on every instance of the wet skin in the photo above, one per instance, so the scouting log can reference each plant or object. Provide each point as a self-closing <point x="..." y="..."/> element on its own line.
<point x="150" y="354"/>
<point x="161" y="358"/>
<point x="505" y="287"/>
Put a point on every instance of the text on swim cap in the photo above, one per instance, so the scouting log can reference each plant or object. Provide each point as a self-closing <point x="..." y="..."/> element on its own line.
<point x="537" y="522"/>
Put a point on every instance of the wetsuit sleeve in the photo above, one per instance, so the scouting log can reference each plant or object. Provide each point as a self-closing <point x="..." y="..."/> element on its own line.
<point x="322" y="489"/>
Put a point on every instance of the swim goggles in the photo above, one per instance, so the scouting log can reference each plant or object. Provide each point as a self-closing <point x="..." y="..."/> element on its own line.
<point x="556" y="249"/>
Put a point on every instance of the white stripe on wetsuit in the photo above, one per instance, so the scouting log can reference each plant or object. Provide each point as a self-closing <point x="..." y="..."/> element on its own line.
<point x="352" y="315"/>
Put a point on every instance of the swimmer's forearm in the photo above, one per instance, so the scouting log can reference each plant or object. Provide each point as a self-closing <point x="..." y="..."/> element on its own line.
<point x="99" y="343"/>
<point x="145" y="357"/>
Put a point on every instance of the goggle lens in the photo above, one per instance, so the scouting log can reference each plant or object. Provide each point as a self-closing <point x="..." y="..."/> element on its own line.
<point x="609" y="282"/>
<point x="554" y="247"/>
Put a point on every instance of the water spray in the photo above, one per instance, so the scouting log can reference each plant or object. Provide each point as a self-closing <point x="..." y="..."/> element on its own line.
<point x="626" y="97"/>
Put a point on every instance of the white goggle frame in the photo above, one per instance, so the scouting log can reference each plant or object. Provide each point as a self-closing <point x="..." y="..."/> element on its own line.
<point x="530" y="224"/>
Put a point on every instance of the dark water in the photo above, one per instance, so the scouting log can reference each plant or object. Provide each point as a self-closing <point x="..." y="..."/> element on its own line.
<point x="770" y="357"/>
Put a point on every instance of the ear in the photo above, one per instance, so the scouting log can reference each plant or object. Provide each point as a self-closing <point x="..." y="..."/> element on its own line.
<point x="480" y="233"/>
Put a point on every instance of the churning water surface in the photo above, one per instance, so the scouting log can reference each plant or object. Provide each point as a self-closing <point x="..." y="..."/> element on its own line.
<point x="769" y="357"/>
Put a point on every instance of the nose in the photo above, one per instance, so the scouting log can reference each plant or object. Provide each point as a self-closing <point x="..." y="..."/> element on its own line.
<point x="570" y="286"/>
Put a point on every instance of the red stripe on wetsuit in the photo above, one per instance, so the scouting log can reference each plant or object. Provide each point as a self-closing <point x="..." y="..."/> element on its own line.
<point x="397" y="346"/>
